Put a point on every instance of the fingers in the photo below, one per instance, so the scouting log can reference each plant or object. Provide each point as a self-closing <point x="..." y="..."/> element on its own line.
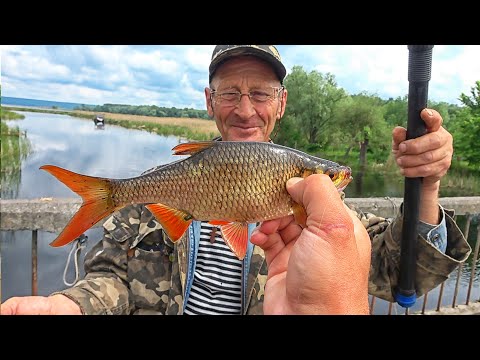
<point x="428" y="156"/>
<point x="432" y="118"/>
<point x="437" y="169"/>
<point x="427" y="142"/>
<point x="27" y="305"/>
<point x="326" y="215"/>
<point x="435" y="138"/>
<point x="274" y="235"/>
<point x="399" y="135"/>
<point x="8" y="307"/>
<point x="440" y="155"/>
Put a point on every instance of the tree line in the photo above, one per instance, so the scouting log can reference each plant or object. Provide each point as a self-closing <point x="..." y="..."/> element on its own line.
<point x="323" y="118"/>
<point x="147" y="110"/>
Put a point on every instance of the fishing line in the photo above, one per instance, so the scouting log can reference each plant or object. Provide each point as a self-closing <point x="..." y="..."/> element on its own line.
<point x="76" y="248"/>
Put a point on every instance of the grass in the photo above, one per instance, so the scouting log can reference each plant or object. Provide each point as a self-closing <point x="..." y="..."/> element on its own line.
<point x="10" y="115"/>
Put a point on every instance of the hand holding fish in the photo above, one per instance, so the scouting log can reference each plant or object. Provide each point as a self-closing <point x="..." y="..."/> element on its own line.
<point x="322" y="268"/>
<point x="428" y="156"/>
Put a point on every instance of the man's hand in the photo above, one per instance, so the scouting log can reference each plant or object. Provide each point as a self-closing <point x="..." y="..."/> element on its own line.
<point x="323" y="268"/>
<point x="40" y="305"/>
<point x="428" y="156"/>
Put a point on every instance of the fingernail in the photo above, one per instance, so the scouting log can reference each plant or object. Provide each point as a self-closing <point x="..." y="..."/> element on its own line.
<point x="429" y="112"/>
<point x="402" y="148"/>
<point x="402" y="171"/>
<point x="293" y="181"/>
<point x="399" y="161"/>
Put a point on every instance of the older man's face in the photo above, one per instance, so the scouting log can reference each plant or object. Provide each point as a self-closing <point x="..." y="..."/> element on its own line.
<point x="246" y="119"/>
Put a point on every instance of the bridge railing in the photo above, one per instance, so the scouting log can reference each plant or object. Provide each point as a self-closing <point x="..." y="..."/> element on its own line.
<point x="51" y="215"/>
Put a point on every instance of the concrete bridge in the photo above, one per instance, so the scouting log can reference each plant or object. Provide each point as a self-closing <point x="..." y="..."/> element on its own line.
<point x="51" y="215"/>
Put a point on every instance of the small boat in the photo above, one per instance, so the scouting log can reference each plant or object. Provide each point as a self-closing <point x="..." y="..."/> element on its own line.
<point x="99" y="119"/>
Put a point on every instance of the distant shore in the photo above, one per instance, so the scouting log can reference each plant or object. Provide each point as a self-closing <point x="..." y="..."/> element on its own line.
<point x="191" y="129"/>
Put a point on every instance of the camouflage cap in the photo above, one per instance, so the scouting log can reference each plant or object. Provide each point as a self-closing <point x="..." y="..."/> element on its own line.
<point x="268" y="53"/>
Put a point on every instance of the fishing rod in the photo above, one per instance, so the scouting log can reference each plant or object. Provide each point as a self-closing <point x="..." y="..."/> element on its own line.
<point x="419" y="71"/>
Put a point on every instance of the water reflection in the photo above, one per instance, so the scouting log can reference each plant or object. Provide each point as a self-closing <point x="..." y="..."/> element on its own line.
<point x="15" y="147"/>
<point x="75" y="144"/>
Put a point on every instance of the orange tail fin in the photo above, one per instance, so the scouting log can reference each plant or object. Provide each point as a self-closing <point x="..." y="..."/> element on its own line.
<point x="97" y="202"/>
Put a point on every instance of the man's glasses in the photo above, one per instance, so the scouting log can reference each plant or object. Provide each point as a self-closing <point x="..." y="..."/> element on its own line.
<point x="257" y="96"/>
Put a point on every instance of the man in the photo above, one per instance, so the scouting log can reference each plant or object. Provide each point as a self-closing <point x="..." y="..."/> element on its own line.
<point x="322" y="269"/>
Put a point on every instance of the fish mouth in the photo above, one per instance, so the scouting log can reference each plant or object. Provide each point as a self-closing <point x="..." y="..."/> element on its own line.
<point x="347" y="178"/>
<point x="344" y="184"/>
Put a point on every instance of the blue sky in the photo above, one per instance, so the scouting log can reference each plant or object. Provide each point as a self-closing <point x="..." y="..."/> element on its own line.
<point x="175" y="75"/>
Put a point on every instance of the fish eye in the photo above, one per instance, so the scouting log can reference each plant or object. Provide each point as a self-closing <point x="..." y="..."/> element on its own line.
<point x="333" y="176"/>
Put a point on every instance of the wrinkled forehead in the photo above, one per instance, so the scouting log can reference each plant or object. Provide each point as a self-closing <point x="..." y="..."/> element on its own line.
<point x="245" y="69"/>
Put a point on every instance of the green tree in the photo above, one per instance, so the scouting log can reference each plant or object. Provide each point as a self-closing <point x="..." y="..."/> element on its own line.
<point x="361" y="119"/>
<point x="396" y="111"/>
<point x="466" y="128"/>
<point x="473" y="102"/>
<point x="312" y="98"/>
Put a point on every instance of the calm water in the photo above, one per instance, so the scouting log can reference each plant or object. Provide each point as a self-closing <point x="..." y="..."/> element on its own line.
<point x="116" y="152"/>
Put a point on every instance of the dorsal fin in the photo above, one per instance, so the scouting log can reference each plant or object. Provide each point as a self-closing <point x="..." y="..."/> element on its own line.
<point x="191" y="148"/>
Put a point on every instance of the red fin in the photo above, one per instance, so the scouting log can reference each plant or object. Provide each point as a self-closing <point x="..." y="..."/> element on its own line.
<point x="219" y="222"/>
<point x="300" y="215"/>
<point x="174" y="222"/>
<point x="236" y="237"/>
<point x="97" y="202"/>
<point x="191" y="148"/>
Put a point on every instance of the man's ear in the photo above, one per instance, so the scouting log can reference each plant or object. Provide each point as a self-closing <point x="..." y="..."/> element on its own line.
<point x="208" y="100"/>
<point x="281" y="107"/>
<point x="279" y="111"/>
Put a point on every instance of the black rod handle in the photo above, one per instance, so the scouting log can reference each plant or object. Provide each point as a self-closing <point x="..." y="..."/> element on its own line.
<point x="419" y="72"/>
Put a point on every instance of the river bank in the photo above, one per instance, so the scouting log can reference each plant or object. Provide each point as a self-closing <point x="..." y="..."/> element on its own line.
<point x="188" y="128"/>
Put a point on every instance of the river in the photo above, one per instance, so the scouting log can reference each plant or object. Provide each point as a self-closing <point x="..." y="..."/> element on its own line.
<point x="78" y="145"/>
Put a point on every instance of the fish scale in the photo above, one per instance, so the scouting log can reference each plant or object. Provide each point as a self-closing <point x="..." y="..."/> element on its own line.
<point x="227" y="183"/>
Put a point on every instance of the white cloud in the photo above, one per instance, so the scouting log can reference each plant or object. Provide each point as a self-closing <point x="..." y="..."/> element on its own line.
<point x="175" y="75"/>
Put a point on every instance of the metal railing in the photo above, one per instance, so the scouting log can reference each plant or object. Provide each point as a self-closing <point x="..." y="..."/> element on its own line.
<point x="53" y="214"/>
<point x="440" y="299"/>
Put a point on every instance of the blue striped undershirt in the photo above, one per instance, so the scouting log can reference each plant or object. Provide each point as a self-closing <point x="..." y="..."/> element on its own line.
<point x="217" y="282"/>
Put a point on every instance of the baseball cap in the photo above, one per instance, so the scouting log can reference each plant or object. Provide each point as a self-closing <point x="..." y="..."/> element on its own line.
<point x="268" y="53"/>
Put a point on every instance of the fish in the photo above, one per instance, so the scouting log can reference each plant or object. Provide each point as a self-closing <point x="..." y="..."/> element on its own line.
<point x="230" y="184"/>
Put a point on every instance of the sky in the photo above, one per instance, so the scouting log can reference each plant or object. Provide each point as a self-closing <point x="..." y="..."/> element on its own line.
<point x="176" y="75"/>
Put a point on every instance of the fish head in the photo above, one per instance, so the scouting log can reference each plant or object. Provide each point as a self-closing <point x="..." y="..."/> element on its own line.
<point x="340" y="175"/>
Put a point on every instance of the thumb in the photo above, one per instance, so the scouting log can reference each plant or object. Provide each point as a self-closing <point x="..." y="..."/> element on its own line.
<point x="322" y="203"/>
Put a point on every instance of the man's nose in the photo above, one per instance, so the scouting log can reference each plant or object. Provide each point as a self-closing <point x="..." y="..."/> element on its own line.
<point x="245" y="108"/>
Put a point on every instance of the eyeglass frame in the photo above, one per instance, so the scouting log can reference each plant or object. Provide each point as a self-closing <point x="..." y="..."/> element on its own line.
<point x="277" y="91"/>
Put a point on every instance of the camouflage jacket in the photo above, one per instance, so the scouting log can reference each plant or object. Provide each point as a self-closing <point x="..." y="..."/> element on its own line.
<point x="136" y="269"/>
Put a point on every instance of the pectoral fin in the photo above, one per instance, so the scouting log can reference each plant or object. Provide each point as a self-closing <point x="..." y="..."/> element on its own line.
<point x="174" y="222"/>
<point x="236" y="237"/>
<point x="300" y="214"/>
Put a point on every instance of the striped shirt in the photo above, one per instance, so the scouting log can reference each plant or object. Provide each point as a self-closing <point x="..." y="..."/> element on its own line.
<point x="217" y="281"/>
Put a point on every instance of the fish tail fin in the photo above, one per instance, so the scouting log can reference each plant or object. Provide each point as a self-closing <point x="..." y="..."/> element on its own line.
<point x="97" y="202"/>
